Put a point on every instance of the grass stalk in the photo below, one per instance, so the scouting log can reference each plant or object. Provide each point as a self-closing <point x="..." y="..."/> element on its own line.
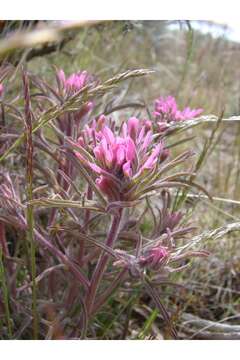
<point x="148" y="324"/>
<point x="74" y="101"/>
<point x="5" y="294"/>
<point x="29" y="209"/>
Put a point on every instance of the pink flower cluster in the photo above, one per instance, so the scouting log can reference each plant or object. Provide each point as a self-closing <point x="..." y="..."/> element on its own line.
<point x="75" y="81"/>
<point x="166" y="111"/>
<point x="69" y="86"/>
<point x="154" y="257"/>
<point x="119" y="161"/>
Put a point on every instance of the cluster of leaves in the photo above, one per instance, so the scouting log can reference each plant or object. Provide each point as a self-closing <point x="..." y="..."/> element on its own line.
<point x="75" y="188"/>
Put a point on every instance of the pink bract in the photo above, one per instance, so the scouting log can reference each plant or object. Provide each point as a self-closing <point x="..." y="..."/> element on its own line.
<point x="75" y="81"/>
<point x="118" y="160"/>
<point x="166" y="111"/>
<point x="1" y="89"/>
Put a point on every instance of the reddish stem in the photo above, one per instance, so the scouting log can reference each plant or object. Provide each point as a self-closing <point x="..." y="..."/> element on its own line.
<point x="86" y="221"/>
<point x="102" y="262"/>
<point x="3" y="240"/>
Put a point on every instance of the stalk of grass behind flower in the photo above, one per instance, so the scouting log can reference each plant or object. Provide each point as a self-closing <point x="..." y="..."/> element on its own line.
<point x="179" y="200"/>
<point x="5" y="294"/>
<point x="190" y="42"/>
<point x="29" y="209"/>
<point x="148" y="324"/>
<point x="156" y="298"/>
<point x="214" y="234"/>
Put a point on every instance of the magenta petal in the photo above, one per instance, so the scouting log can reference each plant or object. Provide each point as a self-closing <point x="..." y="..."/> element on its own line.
<point x="197" y="112"/>
<point x="151" y="161"/>
<point x="166" y="110"/>
<point x="130" y="150"/>
<point x="127" y="169"/>
<point x="89" y="106"/>
<point x="61" y="76"/>
<point x="147" y="140"/>
<point x="109" y="158"/>
<point x="108" y="134"/>
<point x="120" y="155"/>
<point x="101" y="122"/>
<point x="133" y="126"/>
<point x="98" y="153"/>
<point x="1" y="89"/>
<point x="141" y="135"/>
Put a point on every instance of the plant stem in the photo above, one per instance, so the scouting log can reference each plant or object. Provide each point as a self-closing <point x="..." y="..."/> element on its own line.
<point x="86" y="221"/>
<point x="29" y="210"/>
<point x="5" y="294"/>
<point x="63" y="258"/>
<point x="102" y="262"/>
<point x="147" y="325"/>
<point x="109" y="291"/>
<point x="30" y="220"/>
<point x="3" y="241"/>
